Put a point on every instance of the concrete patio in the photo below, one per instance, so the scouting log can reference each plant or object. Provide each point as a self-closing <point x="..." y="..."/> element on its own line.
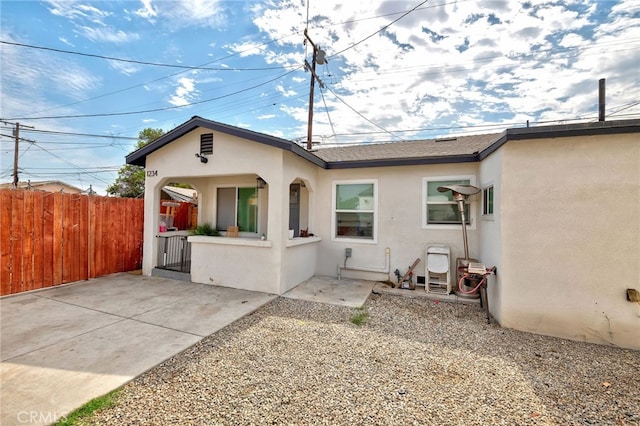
<point x="63" y="346"/>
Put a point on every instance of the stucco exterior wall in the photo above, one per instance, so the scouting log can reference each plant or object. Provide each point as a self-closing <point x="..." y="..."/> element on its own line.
<point x="232" y="262"/>
<point x="232" y="156"/>
<point x="399" y="221"/>
<point x="571" y="237"/>
<point x="490" y="229"/>
<point x="257" y="265"/>
<point x="299" y="261"/>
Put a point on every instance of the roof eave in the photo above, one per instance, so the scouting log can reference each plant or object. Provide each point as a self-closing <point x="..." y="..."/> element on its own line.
<point x="561" y="131"/>
<point x="138" y="158"/>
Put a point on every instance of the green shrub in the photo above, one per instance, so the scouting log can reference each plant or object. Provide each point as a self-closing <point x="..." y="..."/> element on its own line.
<point x="360" y="317"/>
<point x="205" y="229"/>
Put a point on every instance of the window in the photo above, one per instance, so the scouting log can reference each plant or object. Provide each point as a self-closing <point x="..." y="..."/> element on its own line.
<point x="487" y="201"/>
<point x="206" y="144"/>
<point x="354" y="210"/>
<point x="439" y="208"/>
<point x="237" y="207"/>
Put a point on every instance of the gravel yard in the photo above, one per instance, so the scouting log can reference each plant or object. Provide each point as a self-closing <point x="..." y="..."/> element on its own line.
<point x="413" y="362"/>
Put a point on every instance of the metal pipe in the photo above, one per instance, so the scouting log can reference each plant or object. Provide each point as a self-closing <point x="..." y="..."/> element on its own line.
<point x="464" y="228"/>
<point x="385" y="270"/>
<point x="461" y="200"/>
<point x="601" y="99"/>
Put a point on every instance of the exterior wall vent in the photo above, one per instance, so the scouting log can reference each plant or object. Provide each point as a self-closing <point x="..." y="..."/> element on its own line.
<point x="206" y="144"/>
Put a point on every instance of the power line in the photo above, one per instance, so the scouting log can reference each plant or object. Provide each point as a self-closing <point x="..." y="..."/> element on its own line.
<point x="168" y="76"/>
<point x="133" y="61"/>
<point x="380" y="30"/>
<point x="362" y="116"/>
<point x="70" y="163"/>
<point x="53" y="132"/>
<point x="112" y="114"/>
<point x="333" y="131"/>
<point x="183" y="67"/>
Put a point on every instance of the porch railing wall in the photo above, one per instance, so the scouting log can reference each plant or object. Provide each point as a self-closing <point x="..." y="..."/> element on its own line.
<point x="174" y="253"/>
<point x="47" y="239"/>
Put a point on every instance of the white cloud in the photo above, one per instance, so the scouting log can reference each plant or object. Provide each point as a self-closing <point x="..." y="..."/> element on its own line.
<point x="246" y="48"/>
<point x="184" y="93"/>
<point x="107" y="34"/>
<point x="125" y="68"/>
<point x="503" y="59"/>
<point x="147" y="11"/>
<point x="90" y="21"/>
<point x="572" y="40"/>
<point x="65" y="41"/>
<point x="75" y="10"/>
<point x="284" y="92"/>
<point x="191" y="13"/>
<point x="41" y="73"/>
<point x="444" y="64"/>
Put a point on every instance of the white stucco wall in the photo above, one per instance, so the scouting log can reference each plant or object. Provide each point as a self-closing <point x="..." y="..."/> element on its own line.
<point x="490" y="230"/>
<point x="299" y="261"/>
<point x="236" y="263"/>
<point x="257" y="265"/>
<point x="234" y="160"/>
<point x="399" y="221"/>
<point x="570" y="210"/>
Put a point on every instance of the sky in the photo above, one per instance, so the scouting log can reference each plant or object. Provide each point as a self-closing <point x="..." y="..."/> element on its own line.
<point x="83" y="78"/>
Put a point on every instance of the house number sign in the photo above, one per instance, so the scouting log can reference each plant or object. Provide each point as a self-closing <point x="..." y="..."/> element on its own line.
<point x="152" y="173"/>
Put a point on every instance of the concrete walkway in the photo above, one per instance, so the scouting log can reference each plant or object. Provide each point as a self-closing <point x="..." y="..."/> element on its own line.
<point x="63" y="346"/>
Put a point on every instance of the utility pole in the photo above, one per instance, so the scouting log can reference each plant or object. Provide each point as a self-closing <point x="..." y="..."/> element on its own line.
<point x="319" y="57"/>
<point x="15" y="155"/>
<point x="16" y="134"/>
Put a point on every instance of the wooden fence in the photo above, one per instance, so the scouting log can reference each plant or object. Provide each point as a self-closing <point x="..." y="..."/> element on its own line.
<point x="47" y="238"/>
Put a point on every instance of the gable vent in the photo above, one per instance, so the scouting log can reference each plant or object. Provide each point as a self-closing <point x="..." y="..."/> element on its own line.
<point x="206" y="144"/>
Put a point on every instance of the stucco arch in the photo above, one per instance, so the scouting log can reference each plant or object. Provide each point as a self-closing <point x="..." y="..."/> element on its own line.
<point x="299" y="207"/>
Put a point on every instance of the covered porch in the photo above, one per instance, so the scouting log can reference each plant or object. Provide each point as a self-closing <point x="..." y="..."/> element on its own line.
<point x="261" y="238"/>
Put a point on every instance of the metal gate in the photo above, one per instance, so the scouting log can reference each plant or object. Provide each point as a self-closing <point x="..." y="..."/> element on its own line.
<point x="174" y="253"/>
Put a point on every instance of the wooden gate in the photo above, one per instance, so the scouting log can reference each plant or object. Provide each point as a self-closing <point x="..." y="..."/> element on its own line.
<point x="47" y="238"/>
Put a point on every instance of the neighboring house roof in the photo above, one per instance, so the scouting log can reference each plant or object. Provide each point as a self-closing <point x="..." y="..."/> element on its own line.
<point x="183" y="195"/>
<point x="446" y="150"/>
<point x="45" y="185"/>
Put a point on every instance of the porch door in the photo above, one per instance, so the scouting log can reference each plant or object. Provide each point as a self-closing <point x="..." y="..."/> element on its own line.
<point x="294" y="208"/>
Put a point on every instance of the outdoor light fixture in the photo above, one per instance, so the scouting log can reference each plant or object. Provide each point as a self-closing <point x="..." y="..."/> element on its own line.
<point x="202" y="158"/>
<point x="260" y="183"/>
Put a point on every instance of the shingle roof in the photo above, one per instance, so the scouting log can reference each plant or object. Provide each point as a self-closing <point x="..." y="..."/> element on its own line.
<point x="471" y="148"/>
<point x="445" y="147"/>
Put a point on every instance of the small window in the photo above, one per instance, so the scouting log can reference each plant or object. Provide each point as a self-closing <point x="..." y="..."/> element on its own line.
<point x="439" y="208"/>
<point x="206" y="144"/>
<point x="487" y="201"/>
<point x="354" y="210"/>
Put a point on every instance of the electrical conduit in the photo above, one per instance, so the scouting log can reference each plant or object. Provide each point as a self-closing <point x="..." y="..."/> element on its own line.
<point x="385" y="270"/>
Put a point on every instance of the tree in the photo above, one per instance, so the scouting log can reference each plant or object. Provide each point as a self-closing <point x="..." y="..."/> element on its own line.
<point x="130" y="180"/>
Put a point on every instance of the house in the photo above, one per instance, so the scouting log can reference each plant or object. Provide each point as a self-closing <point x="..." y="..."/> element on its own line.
<point x="46" y="185"/>
<point x="558" y="215"/>
<point x="179" y="207"/>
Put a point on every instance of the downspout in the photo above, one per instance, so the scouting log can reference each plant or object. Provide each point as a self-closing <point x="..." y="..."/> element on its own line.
<point x="385" y="270"/>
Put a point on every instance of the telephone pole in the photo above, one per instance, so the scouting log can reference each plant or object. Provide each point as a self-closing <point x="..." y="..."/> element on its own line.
<point x="319" y="57"/>
<point x="16" y="134"/>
